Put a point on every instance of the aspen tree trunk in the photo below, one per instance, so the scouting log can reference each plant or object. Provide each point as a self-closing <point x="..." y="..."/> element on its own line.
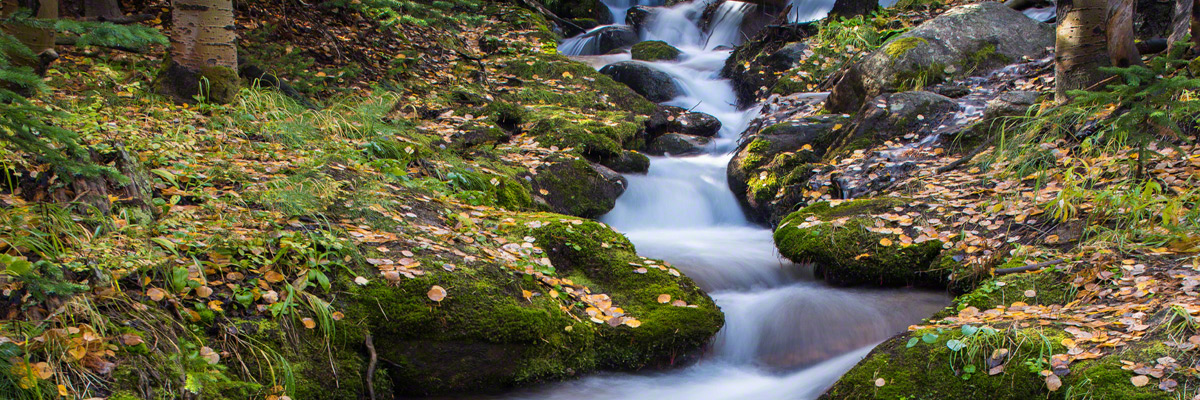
<point x="1185" y="21"/>
<point x="1080" y="46"/>
<point x="1122" y="51"/>
<point x="203" y="52"/>
<point x="40" y="41"/>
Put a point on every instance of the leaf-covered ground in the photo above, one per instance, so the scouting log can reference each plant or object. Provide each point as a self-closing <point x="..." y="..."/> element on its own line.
<point x="266" y="215"/>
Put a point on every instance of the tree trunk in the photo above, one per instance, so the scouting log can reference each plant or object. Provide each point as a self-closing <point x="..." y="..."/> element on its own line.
<point x="1181" y="22"/>
<point x="1122" y="51"/>
<point x="203" y="52"/>
<point x="1080" y="46"/>
<point x="853" y="8"/>
<point x="39" y="40"/>
<point x="102" y="10"/>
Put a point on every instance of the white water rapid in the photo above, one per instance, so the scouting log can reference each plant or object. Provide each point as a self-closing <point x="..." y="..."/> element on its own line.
<point x="786" y="336"/>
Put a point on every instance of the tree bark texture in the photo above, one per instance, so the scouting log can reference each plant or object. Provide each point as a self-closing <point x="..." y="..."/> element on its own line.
<point x="1080" y="46"/>
<point x="203" y="34"/>
<point x="1122" y="51"/>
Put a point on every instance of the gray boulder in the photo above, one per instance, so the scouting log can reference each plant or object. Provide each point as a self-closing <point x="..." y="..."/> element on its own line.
<point x="966" y="40"/>
<point x="654" y="85"/>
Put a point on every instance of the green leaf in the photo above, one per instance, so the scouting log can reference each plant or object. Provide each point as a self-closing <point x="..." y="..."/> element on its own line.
<point x="970" y="369"/>
<point x="955" y="344"/>
<point x="179" y="278"/>
<point x="320" y="278"/>
<point x="929" y="337"/>
<point x="912" y="342"/>
<point x="166" y="244"/>
<point x="968" y="330"/>
<point x="165" y="175"/>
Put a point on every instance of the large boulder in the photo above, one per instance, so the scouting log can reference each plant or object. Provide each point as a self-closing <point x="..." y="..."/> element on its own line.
<point x="577" y="187"/>
<point x="966" y="40"/>
<point x="847" y="248"/>
<point x="655" y="85"/>
<point x="492" y="332"/>
<point x="771" y="169"/>
<point x="654" y="50"/>
<point x="671" y="119"/>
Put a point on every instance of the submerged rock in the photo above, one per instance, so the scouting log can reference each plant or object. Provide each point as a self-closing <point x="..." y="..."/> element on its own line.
<point x="655" y="85"/>
<point x="966" y="40"/>
<point x="845" y="251"/>
<point x="577" y="187"/>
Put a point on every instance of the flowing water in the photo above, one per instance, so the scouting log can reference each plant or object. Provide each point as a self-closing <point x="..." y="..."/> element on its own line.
<point x="786" y="335"/>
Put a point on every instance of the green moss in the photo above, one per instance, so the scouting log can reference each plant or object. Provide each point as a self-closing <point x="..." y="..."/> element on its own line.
<point x="762" y="187"/>
<point x="850" y="254"/>
<point x="934" y="371"/>
<point x="654" y="50"/>
<point x="486" y="336"/>
<point x="219" y="84"/>
<point x="902" y="45"/>
<point x="1049" y="285"/>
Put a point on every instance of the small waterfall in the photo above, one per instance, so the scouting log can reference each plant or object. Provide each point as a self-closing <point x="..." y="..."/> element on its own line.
<point x="725" y="28"/>
<point x="786" y="336"/>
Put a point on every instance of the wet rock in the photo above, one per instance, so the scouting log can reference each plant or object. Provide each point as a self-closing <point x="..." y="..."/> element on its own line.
<point x="754" y="66"/>
<point x="836" y="250"/>
<point x="668" y="119"/>
<point x="891" y="116"/>
<point x="771" y="169"/>
<point x="608" y="39"/>
<point x="676" y="144"/>
<point x="951" y="91"/>
<point x="638" y="16"/>
<point x="654" y="50"/>
<point x="628" y="162"/>
<point x="577" y="187"/>
<point x="966" y="40"/>
<point x="1009" y="103"/>
<point x="655" y="85"/>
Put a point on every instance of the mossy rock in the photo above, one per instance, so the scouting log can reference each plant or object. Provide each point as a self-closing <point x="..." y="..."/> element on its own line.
<point x="486" y="337"/>
<point x="850" y="254"/>
<point x="655" y="50"/>
<point x="770" y="172"/>
<point x="577" y="187"/>
<point x="933" y="371"/>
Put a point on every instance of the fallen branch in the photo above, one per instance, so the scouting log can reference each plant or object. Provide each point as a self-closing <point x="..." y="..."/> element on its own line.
<point x="125" y="19"/>
<point x="371" y="368"/>
<point x="1031" y="267"/>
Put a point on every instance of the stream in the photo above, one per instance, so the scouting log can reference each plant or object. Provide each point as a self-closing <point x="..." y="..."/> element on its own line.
<point x="786" y="335"/>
